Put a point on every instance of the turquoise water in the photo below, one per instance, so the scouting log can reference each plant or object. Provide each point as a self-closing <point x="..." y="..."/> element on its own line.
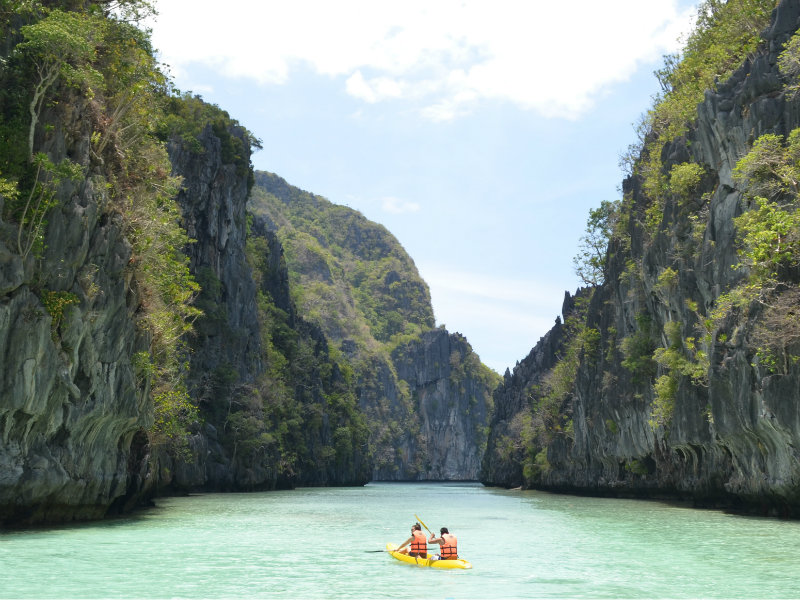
<point x="319" y="543"/>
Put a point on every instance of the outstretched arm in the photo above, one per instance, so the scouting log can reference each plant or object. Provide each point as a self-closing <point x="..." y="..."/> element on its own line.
<point x="404" y="544"/>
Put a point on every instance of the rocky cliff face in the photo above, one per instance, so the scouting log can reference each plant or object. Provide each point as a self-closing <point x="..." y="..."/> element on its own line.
<point x="502" y="463"/>
<point x="75" y="418"/>
<point x="214" y="199"/>
<point x="428" y="410"/>
<point x="310" y="402"/>
<point x="263" y="425"/>
<point x="731" y="441"/>
<point x="427" y="397"/>
<point x="226" y="344"/>
<point x="451" y="401"/>
<point x="70" y="405"/>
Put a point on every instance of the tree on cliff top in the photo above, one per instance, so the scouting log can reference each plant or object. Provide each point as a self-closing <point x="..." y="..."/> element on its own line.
<point x="590" y="260"/>
<point x="61" y="46"/>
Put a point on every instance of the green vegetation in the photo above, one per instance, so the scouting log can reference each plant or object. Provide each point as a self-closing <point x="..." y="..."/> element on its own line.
<point x="789" y="65"/>
<point x="350" y="275"/>
<point x="667" y="281"/>
<point x="637" y="467"/>
<point x="187" y="116"/>
<point x="590" y="260"/>
<point x="61" y="47"/>
<point x="769" y="250"/>
<point x="638" y="350"/>
<point x="89" y="58"/>
<point x="30" y="211"/>
<point x="55" y="303"/>
<point x="174" y="413"/>
<point x="725" y="33"/>
<point x="303" y="413"/>
<point x="684" y="180"/>
<point x="680" y="358"/>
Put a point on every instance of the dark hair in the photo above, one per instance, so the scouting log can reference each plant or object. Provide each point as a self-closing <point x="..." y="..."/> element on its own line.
<point x="443" y="530"/>
<point x="416" y="527"/>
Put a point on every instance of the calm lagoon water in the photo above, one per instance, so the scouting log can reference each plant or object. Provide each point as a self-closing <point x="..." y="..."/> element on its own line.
<point x="321" y="543"/>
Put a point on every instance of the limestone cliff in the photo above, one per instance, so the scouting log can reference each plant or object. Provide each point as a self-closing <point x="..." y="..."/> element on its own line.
<point x="72" y="413"/>
<point x="502" y="465"/>
<point x="424" y="391"/>
<point x="261" y="375"/>
<point x="226" y="341"/>
<point x="451" y="401"/>
<point x="97" y="281"/>
<point x="730" y="438"/>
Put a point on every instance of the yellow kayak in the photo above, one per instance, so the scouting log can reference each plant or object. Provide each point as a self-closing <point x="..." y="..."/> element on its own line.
<point x="459" y="563"/>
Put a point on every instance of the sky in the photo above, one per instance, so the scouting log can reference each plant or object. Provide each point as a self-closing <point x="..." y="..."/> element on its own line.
<point x="479" y="132"/>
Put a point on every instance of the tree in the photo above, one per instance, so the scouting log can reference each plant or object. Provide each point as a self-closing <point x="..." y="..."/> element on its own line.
<point x="591" y="256"/>
<point x="132" y="11"/>
<point x="62" y="45"/>
<point x="789" y="65"/>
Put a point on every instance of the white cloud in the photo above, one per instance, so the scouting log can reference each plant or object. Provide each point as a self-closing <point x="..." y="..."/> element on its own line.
<point x="356" y="86"/>
<point x="398" y="207"/>
<point x="445" y="56"/>
<point x="374" y="90"/>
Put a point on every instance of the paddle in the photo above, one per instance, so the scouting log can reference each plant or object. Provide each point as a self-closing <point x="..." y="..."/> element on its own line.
<point x="423" y="524"/>
<point x="429" y="531"/>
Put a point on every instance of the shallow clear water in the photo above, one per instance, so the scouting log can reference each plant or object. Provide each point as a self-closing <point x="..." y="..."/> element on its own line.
<point x="316" y="543"/>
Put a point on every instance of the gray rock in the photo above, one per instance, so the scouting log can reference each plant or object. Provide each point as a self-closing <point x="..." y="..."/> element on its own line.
<point x="733" y="441"/>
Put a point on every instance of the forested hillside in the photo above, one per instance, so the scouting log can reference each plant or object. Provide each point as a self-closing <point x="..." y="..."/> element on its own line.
<point x="676" y="371"/>
<point x="426" y="394"/>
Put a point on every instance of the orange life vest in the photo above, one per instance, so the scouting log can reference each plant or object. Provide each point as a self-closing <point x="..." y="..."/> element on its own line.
<point x="420" y="543"/>
<point x="450" y="546"/>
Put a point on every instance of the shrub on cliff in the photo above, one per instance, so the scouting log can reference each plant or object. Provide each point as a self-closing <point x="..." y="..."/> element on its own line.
<point x="768" y="233"/>
<point x="724" y="34"/>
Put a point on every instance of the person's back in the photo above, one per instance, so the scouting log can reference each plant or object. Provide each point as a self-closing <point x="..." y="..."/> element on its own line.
<point x="418" y="543"/>
<point x="449" y="548"/>
<point x="419" y="547"/>
<point x="448" y="544"/>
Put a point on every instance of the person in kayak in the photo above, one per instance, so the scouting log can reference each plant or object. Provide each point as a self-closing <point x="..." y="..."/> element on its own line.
<point x="419" y="545"/>
<point x="448" y="544"/>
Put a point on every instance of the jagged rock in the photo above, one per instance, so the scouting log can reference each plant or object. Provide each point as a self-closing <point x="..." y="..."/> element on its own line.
<point x="451" y="401"/>
<point x="427" y="403"/>
<point x="733" y="442"/>
<point x="69" y="402"/>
